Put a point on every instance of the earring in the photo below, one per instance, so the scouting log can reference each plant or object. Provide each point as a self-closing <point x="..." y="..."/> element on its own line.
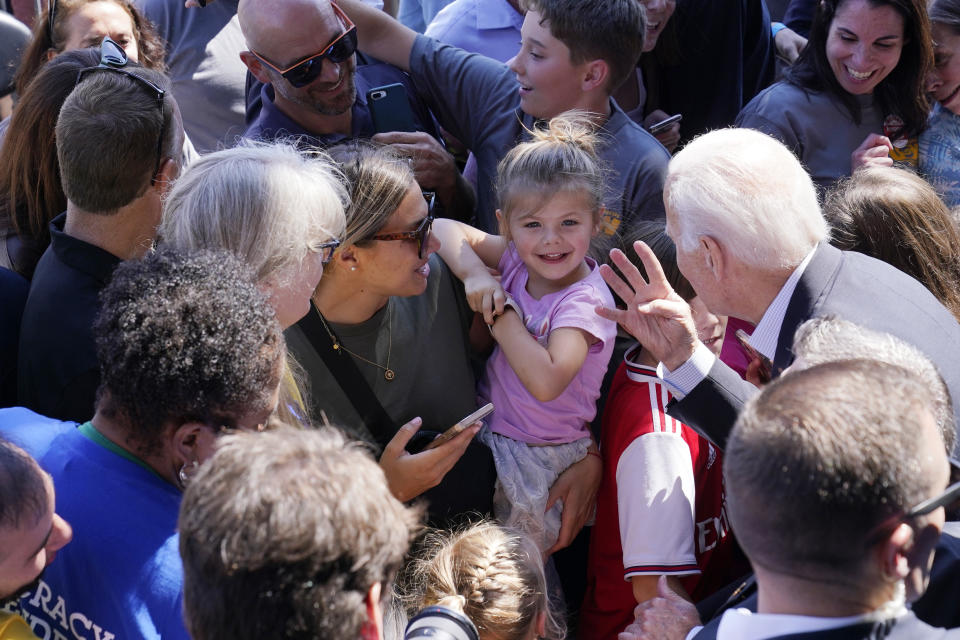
<point x="353" y="268"/>
<point x="183" y="476"/>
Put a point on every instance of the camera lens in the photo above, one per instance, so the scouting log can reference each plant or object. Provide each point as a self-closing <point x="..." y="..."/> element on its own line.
<point x="440" y="623"/>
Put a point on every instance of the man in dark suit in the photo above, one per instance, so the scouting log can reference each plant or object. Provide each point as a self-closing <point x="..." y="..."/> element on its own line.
<point x="819" y="341"/>
<point x="842" y="540"/>
<point x="752" y="241"/>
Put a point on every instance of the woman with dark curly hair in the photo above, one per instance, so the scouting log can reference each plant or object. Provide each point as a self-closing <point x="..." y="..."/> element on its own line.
<point x="856" y="94"/>
<point x="78" y="24"/>
<point x="189" y="348"/>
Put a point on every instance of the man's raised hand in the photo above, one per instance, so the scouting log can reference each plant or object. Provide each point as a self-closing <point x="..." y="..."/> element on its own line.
<point x="655" y="315"/>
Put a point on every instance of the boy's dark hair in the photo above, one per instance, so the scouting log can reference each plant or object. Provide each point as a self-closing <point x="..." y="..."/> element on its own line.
<point x="609" y="30"/>
<point x="654" y="234"/>
<point x="23" y="493"/>
<point x="185" y="337"/>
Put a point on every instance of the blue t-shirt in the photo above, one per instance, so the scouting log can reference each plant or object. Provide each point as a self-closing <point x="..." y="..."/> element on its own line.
<point x="940" y="154"/>
<point x="120" y="577"/>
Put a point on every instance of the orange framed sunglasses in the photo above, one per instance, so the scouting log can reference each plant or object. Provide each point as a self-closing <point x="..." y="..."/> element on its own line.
<point x="305" y="71"/>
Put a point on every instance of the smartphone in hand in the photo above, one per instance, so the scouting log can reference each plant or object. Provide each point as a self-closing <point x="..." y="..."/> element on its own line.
<point x="458" y="428"/>
<point x="766" y="367"/>
<point x="657" y="127"/>
<point x="390" y="108"/>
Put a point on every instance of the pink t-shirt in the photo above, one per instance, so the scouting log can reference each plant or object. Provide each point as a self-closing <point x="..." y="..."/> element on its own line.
<point x="518" y="414"/>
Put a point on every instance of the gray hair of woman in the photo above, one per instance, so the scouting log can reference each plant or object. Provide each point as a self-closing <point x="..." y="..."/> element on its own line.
<point x="272" y="204"/>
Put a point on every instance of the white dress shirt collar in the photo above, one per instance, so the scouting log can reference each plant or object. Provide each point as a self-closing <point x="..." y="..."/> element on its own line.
<point x="765" y="337"/>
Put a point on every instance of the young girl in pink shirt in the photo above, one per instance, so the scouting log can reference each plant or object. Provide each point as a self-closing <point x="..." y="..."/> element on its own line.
<point x="552" y="350"/>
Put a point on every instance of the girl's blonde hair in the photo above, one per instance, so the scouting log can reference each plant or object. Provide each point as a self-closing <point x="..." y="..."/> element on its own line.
<point x="490" y="573"/>
<point x="561" y="156"/>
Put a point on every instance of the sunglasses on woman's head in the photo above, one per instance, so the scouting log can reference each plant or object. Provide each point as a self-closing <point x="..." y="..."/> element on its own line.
<point x="302" y="73"/>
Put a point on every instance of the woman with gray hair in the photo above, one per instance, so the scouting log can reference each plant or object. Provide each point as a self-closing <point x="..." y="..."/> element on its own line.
<point x="281" y="210"/>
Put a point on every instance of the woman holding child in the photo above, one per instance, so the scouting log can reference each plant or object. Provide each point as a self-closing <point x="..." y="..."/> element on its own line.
<point x="391" y="308"/>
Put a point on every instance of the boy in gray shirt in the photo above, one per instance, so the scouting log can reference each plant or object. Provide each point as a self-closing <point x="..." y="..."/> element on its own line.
<point x="572" y="56"/>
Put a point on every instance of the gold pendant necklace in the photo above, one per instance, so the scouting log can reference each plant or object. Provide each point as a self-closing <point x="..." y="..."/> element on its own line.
<point x="388" y="373"/>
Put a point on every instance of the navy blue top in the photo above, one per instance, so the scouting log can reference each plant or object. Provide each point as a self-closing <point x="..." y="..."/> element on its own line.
<point x="13" y="295"/>
<point x="799" y="16"/>
<point x="58" y="372"/>
<point x="272" y="124"/>
<point x="726" y="56"/>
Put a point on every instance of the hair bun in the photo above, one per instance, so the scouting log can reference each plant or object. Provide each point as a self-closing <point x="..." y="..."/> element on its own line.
<point x="575" y="127"/>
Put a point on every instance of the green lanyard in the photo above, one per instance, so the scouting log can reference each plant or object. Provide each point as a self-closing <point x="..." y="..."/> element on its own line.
<point x="90" y="432"/>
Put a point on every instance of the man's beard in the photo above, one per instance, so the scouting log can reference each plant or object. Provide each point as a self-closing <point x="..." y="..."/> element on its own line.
<point x="336" y="106"/>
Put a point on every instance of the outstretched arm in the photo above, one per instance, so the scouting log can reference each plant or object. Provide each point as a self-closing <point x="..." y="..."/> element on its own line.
<point x="471" y="253"/>
<point x="380" y="35"/>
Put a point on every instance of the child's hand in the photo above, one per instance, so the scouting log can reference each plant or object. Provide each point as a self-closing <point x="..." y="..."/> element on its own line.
<point x="669" y="616"/>
<point x="485" y="295"/>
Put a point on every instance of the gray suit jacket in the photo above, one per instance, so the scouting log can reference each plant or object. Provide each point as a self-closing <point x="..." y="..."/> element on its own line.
<point x="851" y="286"/>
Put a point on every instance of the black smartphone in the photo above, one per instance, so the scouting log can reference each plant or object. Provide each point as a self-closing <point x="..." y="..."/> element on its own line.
<point x="657" y="127"/>
<point x="390" y="108"/>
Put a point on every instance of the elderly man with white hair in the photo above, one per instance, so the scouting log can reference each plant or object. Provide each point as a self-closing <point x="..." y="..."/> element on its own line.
<point x="752" y="241"/>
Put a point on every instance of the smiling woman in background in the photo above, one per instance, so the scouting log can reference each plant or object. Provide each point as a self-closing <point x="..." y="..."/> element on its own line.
<point x="66" y="25"/>
<point x="855" y="96"/>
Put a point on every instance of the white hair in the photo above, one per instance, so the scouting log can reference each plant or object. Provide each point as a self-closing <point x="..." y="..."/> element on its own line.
<point x="830" y="339"/>
<point x="748" y="192"/>
<point x="271" y="204"/>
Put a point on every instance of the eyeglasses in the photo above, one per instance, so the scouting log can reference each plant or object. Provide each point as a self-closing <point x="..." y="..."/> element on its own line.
<point x="225" y="429"/>
<point x="422" y="231"/>
<point x="326" y="250"/>
<point x="949" y="498"/>
<point x="51" y="19"/>
<point x="114" y="58"/>
<point x="302" y="73"/>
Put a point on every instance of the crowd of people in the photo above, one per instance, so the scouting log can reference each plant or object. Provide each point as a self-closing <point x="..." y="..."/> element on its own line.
<point x="261" y="261"/>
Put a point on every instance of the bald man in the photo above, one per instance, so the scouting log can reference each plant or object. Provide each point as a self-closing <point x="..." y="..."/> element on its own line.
<point x="311" y="86"/>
